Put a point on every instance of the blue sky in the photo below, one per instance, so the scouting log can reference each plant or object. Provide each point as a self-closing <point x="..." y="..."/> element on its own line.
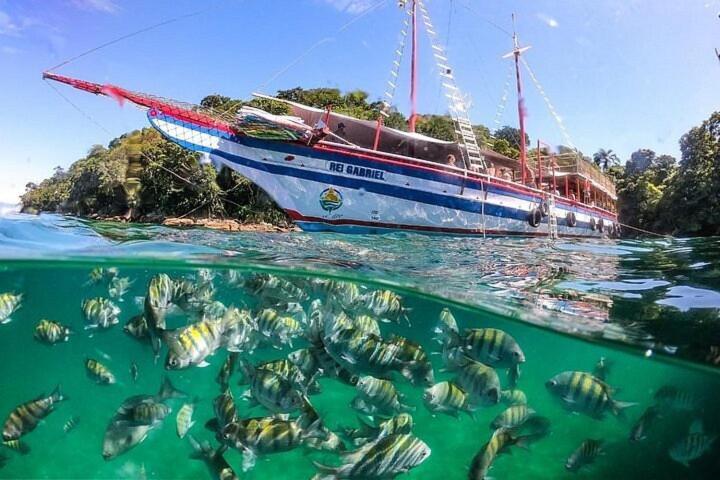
<point x="622" y="74"/>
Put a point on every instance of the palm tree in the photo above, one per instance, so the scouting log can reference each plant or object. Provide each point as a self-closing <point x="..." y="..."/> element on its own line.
<point x="605" y="159"/>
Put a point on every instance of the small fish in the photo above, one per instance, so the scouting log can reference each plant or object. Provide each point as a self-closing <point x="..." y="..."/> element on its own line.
<point x="274" y="392"/>
<point x="100" y="313"/>
<point x="502" y="439"/>
<point x="585" y="454"/>
<point x="582" y="392"/>
<point x="266" y="435"/>
<point x="447" y="327"/>
<point x="332" y="443"/>
<point x="512" y="417"/>
<point x="184" y="419"/>
<point x="278" y="330"/>
<point x="399" y="424"/>
<point x="191" y="345"/>
<point x="383" y="303"/>
<point x="50" y="332"/>
<point x="382" y="394"/>
<point x="9" y="304"/>
<point x="239" y="334"/>
<point x="213" y="458"/>
<point x="99" y="372"/>
<point x="640" y="429"/>
<point x="25" y="417"/>
<point x="119" y="286"/>
<point x="480" y="382"/>
<point x="18" y="445"/>
<point x="533" y="429"/>
<point x="71" y="424"/>
<point x="513" y="397"/>
<point x="386" y="458"/>
<point x="492" y="347"/>
<point x="692" y="446"/>
<point x="98" y="274"/>
<point x="134" y="371"/>
<point x="446" y="397"/>
<point x="669" y="397"/>
<point x="225" y="412"/>
<point x="602" y="368"/>
<point x="137" y="327"/>
<point x="135" y="418"/>
<point x="226" y="371"/>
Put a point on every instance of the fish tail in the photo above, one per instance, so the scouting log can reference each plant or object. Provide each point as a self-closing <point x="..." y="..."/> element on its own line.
<point x="328" y="472"/>
<point x="167" y="390"/>
<point x="57" y="395"/>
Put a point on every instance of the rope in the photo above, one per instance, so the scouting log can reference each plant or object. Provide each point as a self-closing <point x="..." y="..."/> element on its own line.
<point x="646" y="231"/>
<point x="129" y="35"/>
<point x="79" y="110"/>
<point x="304" y="54"/>
<point x="549" y="104"/>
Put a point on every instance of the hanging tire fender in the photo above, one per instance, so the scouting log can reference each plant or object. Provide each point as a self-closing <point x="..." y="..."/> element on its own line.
<point x="571" y="219"/>
<point x="544" y="208"/>
<point x="601" y="225"/>
<point x="593" y="223"/>
<point x="534" y="217"/>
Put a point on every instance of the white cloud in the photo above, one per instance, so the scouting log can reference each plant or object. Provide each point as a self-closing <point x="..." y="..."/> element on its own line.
<point x="104" y="6"/>
<point x="9" y="50"/>
<point x="8" y="26"/>
<point x="548" y="20"/>
<point x="351" y="6"/>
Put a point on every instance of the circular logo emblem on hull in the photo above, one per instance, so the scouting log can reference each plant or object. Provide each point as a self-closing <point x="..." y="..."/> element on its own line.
<point x="330" y="199"/>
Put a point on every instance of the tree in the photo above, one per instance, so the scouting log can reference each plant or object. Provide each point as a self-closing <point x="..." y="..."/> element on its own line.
<point x="640" y="161"/>
<point x="512" y="136"/>
<point x="604" y="159"/>
<point x="436" y="126"/>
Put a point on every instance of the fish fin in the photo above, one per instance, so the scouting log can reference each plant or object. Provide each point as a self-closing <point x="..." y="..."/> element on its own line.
<point x="696" y="426"/>
<point x="57" y="394"/>
<point x="249" y="459"/>
<point x="203" y="364"/>
<point x="167" y="390"/>
<point x="315" y="430"/>
<point x="406" y="408"/>
<point x="197" y="452"/>
<point x="213" y="425"/>
<point x="7" y="320"/>
<point x="348" y="358"/>
<point x="619" y="407"/>
<point x="523" y="442"/>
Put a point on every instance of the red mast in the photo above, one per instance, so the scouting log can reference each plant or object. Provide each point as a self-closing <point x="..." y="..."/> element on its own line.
<point x="413" y="71"/>
<point x="517" y="51"/>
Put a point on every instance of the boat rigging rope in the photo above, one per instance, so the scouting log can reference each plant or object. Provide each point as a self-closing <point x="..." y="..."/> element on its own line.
<point x="317" y="44"/>
<point x="133" y="34"/>
<point x="548" y="103"/>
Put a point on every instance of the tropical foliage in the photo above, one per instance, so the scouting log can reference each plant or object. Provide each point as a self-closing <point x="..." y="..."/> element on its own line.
<point x="658" y="194"/>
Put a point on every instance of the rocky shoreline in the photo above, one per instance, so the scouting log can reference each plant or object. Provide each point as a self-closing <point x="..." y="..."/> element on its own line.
<point x="223" y="224"/>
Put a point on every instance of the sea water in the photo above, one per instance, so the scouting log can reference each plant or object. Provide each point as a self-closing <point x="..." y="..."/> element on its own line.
<point x="54" y="281"/>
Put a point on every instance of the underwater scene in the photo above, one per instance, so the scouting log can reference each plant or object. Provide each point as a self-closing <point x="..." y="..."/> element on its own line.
<point x="132" y="366"/>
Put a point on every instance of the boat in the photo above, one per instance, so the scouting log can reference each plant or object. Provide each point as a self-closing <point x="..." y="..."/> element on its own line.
<point x="332" y="172"/>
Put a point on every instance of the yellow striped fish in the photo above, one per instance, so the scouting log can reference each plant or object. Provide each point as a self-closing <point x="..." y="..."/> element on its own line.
<point x="192" y="344"/>
<point x="381" y="393"/>
<point x="24" y="418"/>
<point x="512" y="416"/>
<point x="99" y="372"/>
<point x="492" y="347"/>
<point x="50" y="332"/>
<point x="500" y="441"/>
<point x="9" y="303"/>
<point x="18" y="445"/>
<point x="386" y="458"/>
<point x="480" y="382"/>
<point x="184" y="421"/>
<point x="100" y="313"/>
<point x="446" y="397"/>
<point x="71" y="424"/>
<point x="582" y="392"/>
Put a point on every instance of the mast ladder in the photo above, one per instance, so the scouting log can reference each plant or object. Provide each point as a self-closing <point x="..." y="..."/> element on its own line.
<point x="474" y="159"/>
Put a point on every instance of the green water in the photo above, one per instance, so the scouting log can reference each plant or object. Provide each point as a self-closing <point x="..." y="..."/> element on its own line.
<point x="54" y="289"/>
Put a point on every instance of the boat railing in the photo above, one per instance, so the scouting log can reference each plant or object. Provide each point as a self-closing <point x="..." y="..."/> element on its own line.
<point x="460" y="172"/>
